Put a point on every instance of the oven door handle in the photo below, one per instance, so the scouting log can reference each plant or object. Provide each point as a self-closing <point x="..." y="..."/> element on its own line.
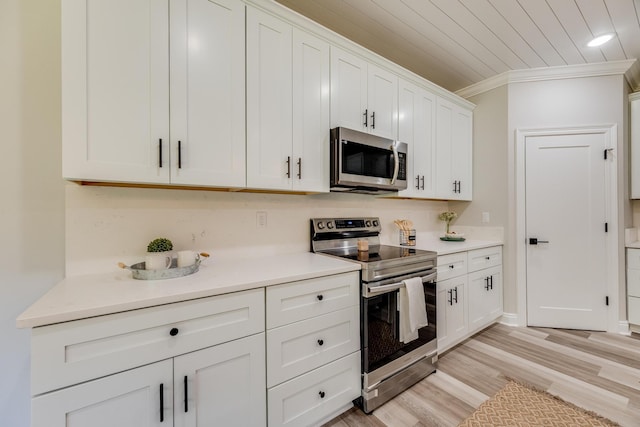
<point x="373" y="290"/>
<point x="396" y="162"/>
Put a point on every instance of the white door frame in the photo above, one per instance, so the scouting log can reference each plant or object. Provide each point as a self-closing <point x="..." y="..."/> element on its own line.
<point x="611" y="200"/>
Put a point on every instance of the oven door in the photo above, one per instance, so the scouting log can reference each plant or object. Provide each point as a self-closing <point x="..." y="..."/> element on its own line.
<point x="381" y="321"/>
<point x="367" y="161"/>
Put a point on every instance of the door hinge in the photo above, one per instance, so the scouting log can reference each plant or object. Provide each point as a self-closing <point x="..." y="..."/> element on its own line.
<point x="606" y="150"/>
<point x="606" y="227"/>
<point x="606" y="300"/>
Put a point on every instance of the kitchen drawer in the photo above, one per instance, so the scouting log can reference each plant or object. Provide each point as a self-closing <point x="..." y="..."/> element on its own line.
<point x="314" y="396"/>
<point x="479" y="259"/>
<point x="633" y="258"/>
<point x="72" y="352"/>
<point x="633" y="282"/>
<point x="452" y="265"/>
<point x="302" y="346"/>
<point x="296" y="301"/>
<point x="634" y="310"/>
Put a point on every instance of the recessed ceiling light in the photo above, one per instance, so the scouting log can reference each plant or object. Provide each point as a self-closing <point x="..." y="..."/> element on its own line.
<point x="600" y="40"/>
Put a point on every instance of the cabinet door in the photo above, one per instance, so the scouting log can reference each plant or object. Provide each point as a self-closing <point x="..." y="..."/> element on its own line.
<point x="485" y="297"/>
<point x="269" y="102"/>
<point x="222" y="385"/>
<point x="208" y="93"/>
<point x="453" y="151"/>
<point x="416" y="127"/>
<point x="635" y="144"/>
<point x="382" y="102"/>
<point x="129" y="399"/>
<point x="452" y="311"/>
<point x="115" y="90"/>
<point x="310" y="113"/>
<point x="348" y="91"/>
<point x="461" y="156"/>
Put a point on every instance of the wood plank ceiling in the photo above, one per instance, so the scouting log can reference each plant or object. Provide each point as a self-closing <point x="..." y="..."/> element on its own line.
<point x="456" y="43"/>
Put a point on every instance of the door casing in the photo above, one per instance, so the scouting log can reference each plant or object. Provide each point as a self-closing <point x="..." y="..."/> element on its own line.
<point x="610" y="133"/>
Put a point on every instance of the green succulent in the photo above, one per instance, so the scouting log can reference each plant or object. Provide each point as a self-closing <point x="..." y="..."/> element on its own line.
<point x="160" y="244"/>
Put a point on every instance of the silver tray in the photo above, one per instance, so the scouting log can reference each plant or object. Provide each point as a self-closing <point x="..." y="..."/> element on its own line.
<point x="139" y="272"/>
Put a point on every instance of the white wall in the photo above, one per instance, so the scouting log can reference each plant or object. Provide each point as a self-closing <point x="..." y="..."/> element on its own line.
<point x="107" y="225"/>
<point x="31" y="188"/>
<point x="576" y="102"/>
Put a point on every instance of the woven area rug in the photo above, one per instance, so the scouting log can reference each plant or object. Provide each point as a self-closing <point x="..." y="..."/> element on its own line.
<point x="521" y="406"/>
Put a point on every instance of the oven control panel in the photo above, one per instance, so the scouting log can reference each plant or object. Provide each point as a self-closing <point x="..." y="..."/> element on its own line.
<point x="342" y="225"/>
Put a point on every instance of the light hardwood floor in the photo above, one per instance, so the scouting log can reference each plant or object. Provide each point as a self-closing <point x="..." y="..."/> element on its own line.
<point x="597" y="371"/>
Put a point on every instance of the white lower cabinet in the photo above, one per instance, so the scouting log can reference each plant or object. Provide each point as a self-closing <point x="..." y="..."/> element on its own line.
<point x="221" y="385"/>
<point x="469" y="293"/>
<point x="313" y="349"/>
<point x="183" y="364"/>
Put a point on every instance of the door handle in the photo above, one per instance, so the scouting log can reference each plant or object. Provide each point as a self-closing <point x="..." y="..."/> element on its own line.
<point x="535" y="241"/>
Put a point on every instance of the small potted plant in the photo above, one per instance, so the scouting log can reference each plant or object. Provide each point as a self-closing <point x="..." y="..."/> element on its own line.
<point x="158" y="254"/>
<point x="448" y="217"/>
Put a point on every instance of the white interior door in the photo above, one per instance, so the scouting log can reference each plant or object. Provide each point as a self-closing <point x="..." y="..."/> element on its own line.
<point x="566" y="212"/>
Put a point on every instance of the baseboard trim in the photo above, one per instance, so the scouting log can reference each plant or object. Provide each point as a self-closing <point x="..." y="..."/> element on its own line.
<point x="624" y="328"/>
<point x="509" y="319"/>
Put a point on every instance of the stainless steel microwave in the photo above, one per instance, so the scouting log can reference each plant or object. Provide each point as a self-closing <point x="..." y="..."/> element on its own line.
<point x="364" y="163"/>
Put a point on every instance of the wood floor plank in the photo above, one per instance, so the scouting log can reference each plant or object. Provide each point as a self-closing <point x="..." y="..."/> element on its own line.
<point x="594" y="370"/>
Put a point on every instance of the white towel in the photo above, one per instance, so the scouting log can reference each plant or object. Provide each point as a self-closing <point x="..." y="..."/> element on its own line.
<point x="412" y="308"/>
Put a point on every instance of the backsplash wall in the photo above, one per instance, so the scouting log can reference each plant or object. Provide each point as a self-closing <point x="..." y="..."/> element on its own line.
<point x="105" y="225"/>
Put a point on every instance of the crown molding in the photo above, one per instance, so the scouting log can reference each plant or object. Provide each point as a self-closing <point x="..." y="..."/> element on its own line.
<point x="629" y="68"/>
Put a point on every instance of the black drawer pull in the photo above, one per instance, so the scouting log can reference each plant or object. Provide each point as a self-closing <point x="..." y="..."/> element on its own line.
<point x="451" y="266"/>
<point x="320" y="297"/>
<point x="161" y="403"/>
<point x="320" y="342"/>
<point x="173" y="332"/>
<point x="321" y="394"/>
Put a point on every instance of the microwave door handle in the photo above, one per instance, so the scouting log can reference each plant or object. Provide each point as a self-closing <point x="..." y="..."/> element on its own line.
<point x="396" y="162"/>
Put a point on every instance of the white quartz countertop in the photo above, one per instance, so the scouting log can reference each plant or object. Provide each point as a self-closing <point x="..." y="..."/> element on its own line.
<point x="444" y="247"/>
<point x="94" y="295"/>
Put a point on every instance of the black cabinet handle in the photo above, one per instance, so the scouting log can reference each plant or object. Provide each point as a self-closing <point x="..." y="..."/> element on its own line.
<point x="417" y="182"/>
<point x="320" y="297"/>
<point x="459" y="187"/>
<point x="450" y="296"/>
<point x="299" y="167"/>
<point x="160" y="153"/>
<point x="488" y="258"/>
<point x="373" y="120"/>
<point x="422" y="179"/>
<point x="320" y="343"/>
<point x="366" y="118"/>
<point x="186" y="394"/>
<point x="451" y="266"/>
<point x="321" y="394"/>
<point x="161" y="403"/>
<point x="456" y="297"/>
<point x="179" y="154"/>
<point x="288" y="166"/>
<point x="491" y="277"/>
<point x="173" y="332"/>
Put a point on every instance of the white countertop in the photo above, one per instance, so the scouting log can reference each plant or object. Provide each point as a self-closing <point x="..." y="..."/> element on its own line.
<point x="445" y="248"/>
<point x="94" y="295"/>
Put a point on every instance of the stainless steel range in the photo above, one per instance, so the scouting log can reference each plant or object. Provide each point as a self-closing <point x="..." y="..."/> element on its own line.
<point x="389" y="365"/>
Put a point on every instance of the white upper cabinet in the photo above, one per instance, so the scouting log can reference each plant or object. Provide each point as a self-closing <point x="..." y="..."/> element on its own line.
<point x="453" y="151"/>
<point x="634" y="111"/>
<point x="269" y="101"/>
<point x="363" y="97"/>
<point x="207" y="92"/>
<point x="287" y="96"/>
<point x="115" y="90"/>
<point x="120" y="71"/>
<point x="416" y="127"/>
<point x="310" y="113"/>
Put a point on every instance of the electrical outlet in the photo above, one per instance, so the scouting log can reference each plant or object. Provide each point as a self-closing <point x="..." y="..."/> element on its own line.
<point x="485" y="217"/>
<point x="261" y="219"/>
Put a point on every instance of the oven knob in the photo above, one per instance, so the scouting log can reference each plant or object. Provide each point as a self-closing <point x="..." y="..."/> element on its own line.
<point x="329" y="225"/>
<point x="375" y="223"/>
<point x="320" y="226"/>
<point x="368" y="223"/>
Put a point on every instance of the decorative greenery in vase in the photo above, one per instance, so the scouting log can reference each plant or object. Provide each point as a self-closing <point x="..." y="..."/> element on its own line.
<point x="160" y="244"/>
<point x="448" y="217"/>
